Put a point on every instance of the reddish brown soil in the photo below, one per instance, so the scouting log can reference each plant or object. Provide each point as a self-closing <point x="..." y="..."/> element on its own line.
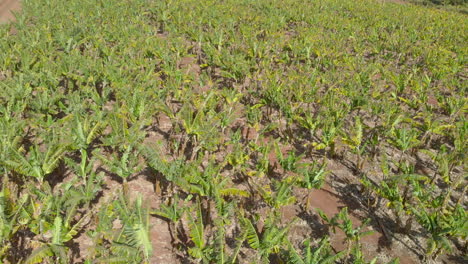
<point x="327" y="200"/>
<point x="7" y="7"/>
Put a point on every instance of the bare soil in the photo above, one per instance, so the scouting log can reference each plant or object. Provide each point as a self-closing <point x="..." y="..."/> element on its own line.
<point x="7" y="10"/>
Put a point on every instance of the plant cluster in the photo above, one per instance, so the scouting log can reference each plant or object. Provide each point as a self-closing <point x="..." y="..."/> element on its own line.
<point x="235" y="111"/>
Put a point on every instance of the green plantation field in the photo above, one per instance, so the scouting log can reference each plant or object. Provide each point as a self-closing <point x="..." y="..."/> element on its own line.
<point x="235" y="131"/>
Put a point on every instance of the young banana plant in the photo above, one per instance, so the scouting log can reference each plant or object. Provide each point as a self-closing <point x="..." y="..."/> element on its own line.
<point x="344" y="222"/>
<point x="355" y="142"/>
<point x="13" y="216"/>
<point x="173" y="213"/>
<point x="85" y="129"/>
<point x="56" y="249"/>
<point x="124" y="163"/>
<point x="290" y="162"/>
<point x="314" y="175"/>
<point x="308" y="121"/>
<point x="91" y="181"/>
<point x="329" y="134"/>
<point x="270" y="241"/>
<point x="433" y="222"/>
<point x="54" y="221"/>
<point x="320" y="254"/>
<point x="122" y="233"/>
<point x="404" y="139"/>
<point x="36" y="163"/>
<point x="281" y="194"/>
<point x="124" y="133"/>
<point x="197" y="234"/>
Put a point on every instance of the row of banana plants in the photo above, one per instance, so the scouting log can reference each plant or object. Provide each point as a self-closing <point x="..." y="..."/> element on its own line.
<point x="236" y="111"/>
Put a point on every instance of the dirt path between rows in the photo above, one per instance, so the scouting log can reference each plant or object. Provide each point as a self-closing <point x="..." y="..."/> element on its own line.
<point x="6" y="9"/>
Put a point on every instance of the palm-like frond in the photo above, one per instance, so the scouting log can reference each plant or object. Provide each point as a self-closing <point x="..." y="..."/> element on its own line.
<point x="38" y="255"/>
<point x="85" y="129"/>
<point x="252" y="237"/>
<point x="197" y="228"/>
<point x="321" y="254"/>
<point x="233" y="192"/>
<point x="52" y="157"/>
<point x="138" y="235"/>
<point x="20" y="164"/>
<point x="37" y="164"/>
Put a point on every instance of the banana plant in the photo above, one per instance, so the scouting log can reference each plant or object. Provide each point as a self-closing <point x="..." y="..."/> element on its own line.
<point x="342" y="221"/>
<point x="308" y="121"/>
<point x="11" y="134"/>
<point x="290" y="162"/>
<point x="355" y="142"/>
<point x="320" y="254"/>
<point x="55" y="249"/>
<point x="404" y="139"/>
<point x="36" y="163"/>
<point x="122" y="232"/>
<point x="401" y="82"/>
<point x="197" y="235"/>
<point x="452" y="105"/>
<point x="330" y="132"/>
<point x="123" y="133"/>
<point x="270" y="241"/>
<point x="263" y="164"/>
<point x="137" y="108"/>
<point x="431" y="126"/>
<point x="280" y="195"/>
<point x="173" y="213"/>
<point x="399" y="190"/>
<point x="53" y="220"/>
<point x="123" y="162"/>
<point x="313" y="175"/>
<point x="438" y="240"/>
<point x="85" y="129"/>
<point x="209" y="182"/>
<point x="446" y="161"/>
<point x="90" y="186"/>
<point x="238" y="156"/>
<point x="13" y="216"/>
